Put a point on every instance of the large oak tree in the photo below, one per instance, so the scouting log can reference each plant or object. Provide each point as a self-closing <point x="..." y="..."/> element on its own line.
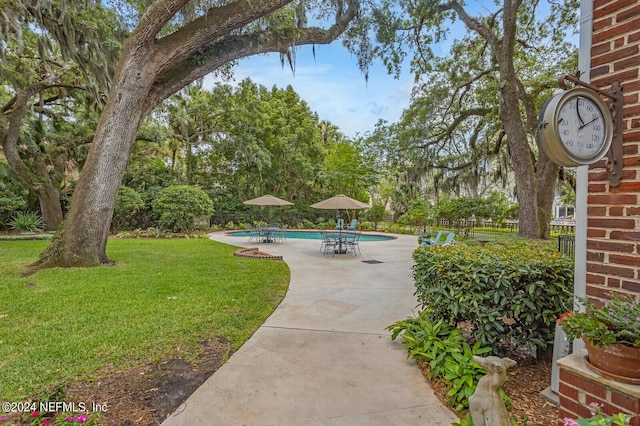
<point x="509" y="35"/>
<point x="162" y="55"/>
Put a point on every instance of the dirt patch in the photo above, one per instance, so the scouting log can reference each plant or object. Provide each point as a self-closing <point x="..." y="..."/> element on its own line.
<point x="147" y="395"/>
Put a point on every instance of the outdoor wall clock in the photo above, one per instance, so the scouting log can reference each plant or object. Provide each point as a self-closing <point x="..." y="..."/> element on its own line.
<point x="576" y="127"/>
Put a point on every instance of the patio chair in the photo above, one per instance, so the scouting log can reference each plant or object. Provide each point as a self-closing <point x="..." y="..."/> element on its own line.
<point x="426" y="243"/>
<point x="323" y="236"/>
<point x="352" y="243"/>
<point x="281" y="235"/>
<point x="353" y="225"/>
<point x="330" y="244"/>
<point x="448" y="240"/>
<point x="340" y="224"/>
<point x="253" y="232"/>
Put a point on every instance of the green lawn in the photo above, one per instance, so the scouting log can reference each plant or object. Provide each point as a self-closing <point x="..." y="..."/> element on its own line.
<point x="160" y="299"/>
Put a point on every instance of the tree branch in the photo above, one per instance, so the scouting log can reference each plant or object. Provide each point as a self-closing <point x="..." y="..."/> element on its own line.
<point x="233" y="47"/>
<point x="215" y="23"/>
<point x="471" y="23"/>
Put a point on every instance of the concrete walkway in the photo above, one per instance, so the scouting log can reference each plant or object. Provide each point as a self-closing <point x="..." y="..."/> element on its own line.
<point x="324" y="357"/>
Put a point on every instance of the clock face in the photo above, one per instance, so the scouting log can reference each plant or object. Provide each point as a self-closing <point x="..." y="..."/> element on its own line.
<point x="575" y="127"/>
<point x="581" y="126"/>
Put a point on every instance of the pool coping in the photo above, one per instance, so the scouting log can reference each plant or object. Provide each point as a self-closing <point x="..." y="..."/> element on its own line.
<point x="381" y="234"/>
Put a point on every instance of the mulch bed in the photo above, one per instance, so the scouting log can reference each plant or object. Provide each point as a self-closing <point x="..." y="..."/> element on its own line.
<point x="525" y="382"/>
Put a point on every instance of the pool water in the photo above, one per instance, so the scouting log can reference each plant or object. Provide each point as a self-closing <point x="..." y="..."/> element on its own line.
<point x="316" y="235"/>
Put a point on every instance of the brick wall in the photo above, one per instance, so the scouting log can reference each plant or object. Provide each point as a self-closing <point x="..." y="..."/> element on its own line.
<point x="577" y="392"/>
<point x="613" y="235"/>
<point x="613" y="213"/>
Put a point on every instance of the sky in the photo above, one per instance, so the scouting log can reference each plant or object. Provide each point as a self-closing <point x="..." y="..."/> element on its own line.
<point x="333" y="86"/>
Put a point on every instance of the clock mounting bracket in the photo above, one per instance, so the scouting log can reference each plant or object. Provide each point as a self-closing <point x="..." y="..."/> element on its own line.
<point x="615" y="102"/>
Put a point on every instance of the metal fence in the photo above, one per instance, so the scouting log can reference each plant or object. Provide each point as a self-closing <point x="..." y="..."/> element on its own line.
<point x="474" y="228"/>
<point x="566" y="245"/>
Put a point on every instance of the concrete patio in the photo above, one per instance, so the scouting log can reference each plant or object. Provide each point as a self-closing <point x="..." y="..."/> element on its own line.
<point x="324" y="357"/>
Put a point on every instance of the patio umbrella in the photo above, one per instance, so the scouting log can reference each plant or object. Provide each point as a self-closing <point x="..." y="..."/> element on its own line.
<point x="340" y="202"/>
<point x="268" y="200"/>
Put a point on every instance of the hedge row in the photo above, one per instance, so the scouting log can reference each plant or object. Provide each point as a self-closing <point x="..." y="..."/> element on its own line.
<point x="508" y="295"/>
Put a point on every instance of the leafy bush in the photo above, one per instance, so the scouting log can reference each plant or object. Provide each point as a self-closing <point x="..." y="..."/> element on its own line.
<point x="510" y="294"/>
<point x="27" y="221"/>
<point x="444" y="348"/>
<point x="129" y="203"/>
<point x="179" y="207"/>
<point x="10" y="205"/>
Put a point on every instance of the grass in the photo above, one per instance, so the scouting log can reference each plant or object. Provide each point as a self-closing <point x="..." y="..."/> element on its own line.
<point x="162" y="298"/>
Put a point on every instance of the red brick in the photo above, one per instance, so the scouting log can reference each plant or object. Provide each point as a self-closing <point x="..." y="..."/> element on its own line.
<point x="605" y="7"/>
<point x="626" y="63"/>
<point x="627" y="199"/>
<point x="631" y="286"/>
<point x="619" y="259"/>
<point x="597" y="72"/>
<point x="574" y="406"/>
<point x="596" y="233"/>
<point x="601" y="268"/>
<point x="628" y="13"/>
<point x="615" y="30"/>
<point x="611" y="223"/>
<point x="631" y="161"/>
<point x="625" y="236"/>
<point x="601" y="25"/>
<point x="568" y="391"/>
<point x="629" y="187"/>
<point x="615" y="56"/>
<point x="613" y="282"/>
<point x="616" y="211"/>
<point x="595" y="256"/>
<point x="595" y="279"/>
<point x="633" y="37"/>
<point x="629" y="404"/>
<point x="610" y="245"/>
<point x="582" y="383"/>
<point x="631" y="211"/>
<point x="630" y="147"/>
<point x="598" y="187"/>
<point x="597" y="210"/>
<point x="622" y="76"/>
<point x="597" y="293"/>
<point x="598" y="176"/>
<point x="630" y="98"/>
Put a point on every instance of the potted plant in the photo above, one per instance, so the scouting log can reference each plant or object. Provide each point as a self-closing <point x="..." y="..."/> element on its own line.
<point x="611" y="334"/>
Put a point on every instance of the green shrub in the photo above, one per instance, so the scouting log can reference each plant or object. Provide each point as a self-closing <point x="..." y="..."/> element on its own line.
<point x="26" y="221"/>
<point x="510" y="294"/>
<point x="444" y="348"/>
<point x="180" y="206"/>
<point x="10" y="205"/>
<point x="129" y="203"/>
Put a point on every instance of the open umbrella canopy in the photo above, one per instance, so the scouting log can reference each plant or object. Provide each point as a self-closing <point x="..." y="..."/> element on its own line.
<point x="268" y="200"/>
<point x="340" y="202"/>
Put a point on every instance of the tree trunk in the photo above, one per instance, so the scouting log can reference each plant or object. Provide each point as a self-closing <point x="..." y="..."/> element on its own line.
<point x="49" y="198"/>
<point x="37" y="180"/>
<point x="510" y="114"/>
<point x="547" y="174"/>
<point x="84" y="235"/>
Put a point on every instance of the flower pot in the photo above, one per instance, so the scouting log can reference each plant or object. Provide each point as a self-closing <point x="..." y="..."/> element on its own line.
<point x="618" y="362"/>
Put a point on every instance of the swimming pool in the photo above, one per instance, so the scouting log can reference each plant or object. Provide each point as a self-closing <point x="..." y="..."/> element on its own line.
<point x="315" y="235"/>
